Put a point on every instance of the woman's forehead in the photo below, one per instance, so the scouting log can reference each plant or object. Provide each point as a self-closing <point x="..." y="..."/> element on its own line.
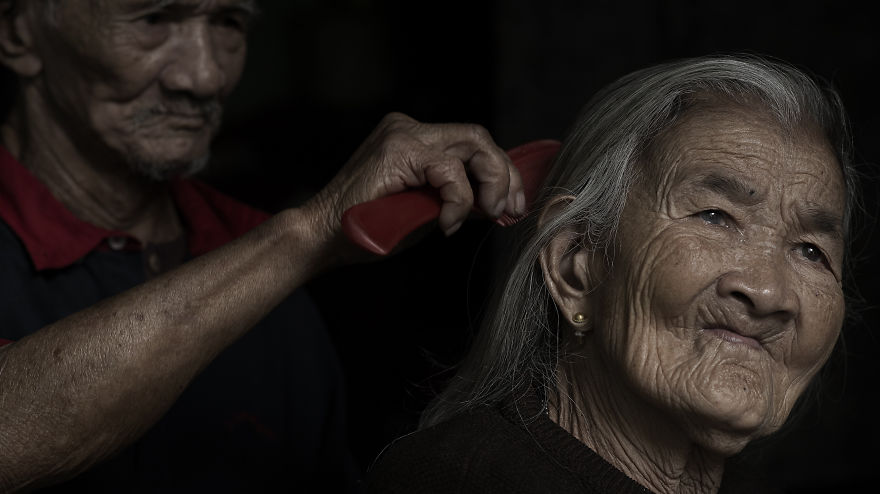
<point x="749" y="149"/>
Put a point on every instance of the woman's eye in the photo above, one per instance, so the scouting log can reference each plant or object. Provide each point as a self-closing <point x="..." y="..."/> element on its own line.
<point x="715" y="217"/>
<point x="811" y="253"/>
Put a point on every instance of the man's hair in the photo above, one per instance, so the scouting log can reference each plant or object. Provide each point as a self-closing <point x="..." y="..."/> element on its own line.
<point x="517" y="349"/>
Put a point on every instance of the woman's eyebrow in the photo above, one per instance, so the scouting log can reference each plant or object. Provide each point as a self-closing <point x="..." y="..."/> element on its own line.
<point x="817" y="219"/>
<point x="814" y="217"/>
<point x="731" y="187"/>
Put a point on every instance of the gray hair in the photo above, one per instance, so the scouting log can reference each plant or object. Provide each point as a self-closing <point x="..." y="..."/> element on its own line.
<point x="518" y="346"/>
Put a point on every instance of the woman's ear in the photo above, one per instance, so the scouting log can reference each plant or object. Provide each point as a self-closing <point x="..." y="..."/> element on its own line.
<point x="17" y="51"/>
<point x="567" y="264"/>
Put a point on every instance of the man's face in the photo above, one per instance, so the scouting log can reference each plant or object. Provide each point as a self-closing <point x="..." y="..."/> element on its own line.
<point x="143" y="81"/>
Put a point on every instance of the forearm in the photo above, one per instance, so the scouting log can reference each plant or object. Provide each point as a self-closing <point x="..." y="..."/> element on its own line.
<point x="82" y="388"/>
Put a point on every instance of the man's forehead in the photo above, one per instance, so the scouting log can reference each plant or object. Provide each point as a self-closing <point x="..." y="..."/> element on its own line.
<point x="247" y="5"/>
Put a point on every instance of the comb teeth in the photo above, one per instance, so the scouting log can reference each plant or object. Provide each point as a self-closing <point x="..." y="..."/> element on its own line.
<point x="507" y="220"/>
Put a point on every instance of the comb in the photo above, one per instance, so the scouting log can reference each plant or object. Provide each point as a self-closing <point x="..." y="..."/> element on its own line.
<point x="379" y="225"/>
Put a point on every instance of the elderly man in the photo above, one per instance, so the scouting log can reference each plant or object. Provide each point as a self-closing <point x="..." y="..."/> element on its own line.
<point x="116" y="310"/>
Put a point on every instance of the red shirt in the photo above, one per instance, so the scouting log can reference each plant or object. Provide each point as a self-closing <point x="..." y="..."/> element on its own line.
<point x="54" y="238"/>
<point x="268" y="410"/>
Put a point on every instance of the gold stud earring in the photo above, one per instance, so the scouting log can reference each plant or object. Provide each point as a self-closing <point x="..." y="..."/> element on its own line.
<point x="579" y="318"/>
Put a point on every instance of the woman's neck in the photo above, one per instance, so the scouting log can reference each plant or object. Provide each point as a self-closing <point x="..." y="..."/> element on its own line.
<point x="630" y="434"/>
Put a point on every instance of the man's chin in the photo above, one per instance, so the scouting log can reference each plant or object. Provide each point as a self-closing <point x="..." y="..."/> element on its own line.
<point x="160" y="170"/>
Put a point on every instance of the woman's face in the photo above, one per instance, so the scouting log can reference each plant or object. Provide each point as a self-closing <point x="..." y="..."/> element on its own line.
<point x="724" y="297"/>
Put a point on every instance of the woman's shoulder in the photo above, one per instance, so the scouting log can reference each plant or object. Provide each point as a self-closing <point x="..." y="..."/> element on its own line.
<point x="477" y="451"/>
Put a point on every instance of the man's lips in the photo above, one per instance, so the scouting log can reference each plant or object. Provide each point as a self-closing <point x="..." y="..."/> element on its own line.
<point x="190" y="116"/>
<point x="192" y="121"/>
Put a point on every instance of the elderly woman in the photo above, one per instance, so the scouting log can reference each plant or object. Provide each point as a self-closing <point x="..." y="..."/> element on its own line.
<point x="678" y="291"/>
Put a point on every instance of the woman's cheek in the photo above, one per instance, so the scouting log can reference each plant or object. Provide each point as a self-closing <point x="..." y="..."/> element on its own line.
<point x="818" y="327"/>
<point x="679" y="267"/>
<point x="653" y="291"/>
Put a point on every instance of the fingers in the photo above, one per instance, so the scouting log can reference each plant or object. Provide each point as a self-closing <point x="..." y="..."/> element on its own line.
<point x="491" y="178"/>
<point x="447" y="175"/>
<point x="516" y="196"/>
<point x="499" y="185"/>
<point x="403" y="153"/>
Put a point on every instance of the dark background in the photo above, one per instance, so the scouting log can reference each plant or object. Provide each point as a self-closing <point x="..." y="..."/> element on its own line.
<point x="322" y="74"/>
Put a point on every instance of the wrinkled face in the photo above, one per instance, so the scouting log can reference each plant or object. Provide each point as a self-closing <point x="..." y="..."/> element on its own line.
<point x="144" y="79"/>
<point x="724" y="298"/>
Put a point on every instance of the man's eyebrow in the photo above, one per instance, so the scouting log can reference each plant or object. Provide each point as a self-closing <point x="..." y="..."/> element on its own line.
<point x="730" y="187"/>
<point x="247" y="6"/>
<point x="150" y="4"/>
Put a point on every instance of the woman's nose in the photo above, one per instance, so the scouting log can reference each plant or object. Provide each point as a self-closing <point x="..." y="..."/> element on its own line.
<point x="763" y="284"/>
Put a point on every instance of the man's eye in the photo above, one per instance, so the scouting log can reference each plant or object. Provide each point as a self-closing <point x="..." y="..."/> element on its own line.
<point x="234" y="22"/>
<point x="153" y="27"/>
<point x="715" y="217"/>
<point x="154" y="18"/>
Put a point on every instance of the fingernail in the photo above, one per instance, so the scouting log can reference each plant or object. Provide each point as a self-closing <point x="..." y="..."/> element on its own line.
<point x="520" y="203"/>
<point x="452" y="229"/>
<point x="499" y="208"/>
<point x="511" y="202"/>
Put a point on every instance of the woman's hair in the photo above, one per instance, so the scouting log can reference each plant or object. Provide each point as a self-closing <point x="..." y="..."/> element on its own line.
<point x="517" y="348"/>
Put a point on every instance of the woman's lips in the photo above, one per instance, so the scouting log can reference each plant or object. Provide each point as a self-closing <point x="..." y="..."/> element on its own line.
<point x="732" y="337"/>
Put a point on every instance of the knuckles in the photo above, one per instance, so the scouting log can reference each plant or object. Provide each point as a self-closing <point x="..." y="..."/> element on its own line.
<point x="396" y="122"/>
<point x="404" y="145"/>
<point x="479" y="134"/>
<point x="397" y="145"/>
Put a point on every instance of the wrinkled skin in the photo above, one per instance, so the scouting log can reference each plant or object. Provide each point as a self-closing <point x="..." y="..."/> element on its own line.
<point x="118" y="96"/>
<point x="115" y="94"/>
<point x="722" y="300"/>
<point x="146" y="84"/>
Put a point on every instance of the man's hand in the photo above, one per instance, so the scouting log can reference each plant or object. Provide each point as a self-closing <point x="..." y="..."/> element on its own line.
<point x="402" y="153"/>
<point x="60" y="416"/>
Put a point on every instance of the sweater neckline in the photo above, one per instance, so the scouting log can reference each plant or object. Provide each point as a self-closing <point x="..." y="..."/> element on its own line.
<point x="593" y="471"/>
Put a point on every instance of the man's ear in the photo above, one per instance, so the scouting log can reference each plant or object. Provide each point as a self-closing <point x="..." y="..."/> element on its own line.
<point x="17" y="51"/>
<point x="568" y="266"/>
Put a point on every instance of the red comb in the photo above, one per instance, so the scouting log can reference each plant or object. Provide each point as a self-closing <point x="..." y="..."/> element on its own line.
<point x="379" y="225"/>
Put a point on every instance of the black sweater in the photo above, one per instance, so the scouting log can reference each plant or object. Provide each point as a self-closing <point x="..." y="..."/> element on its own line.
<point x="509" y="449"/>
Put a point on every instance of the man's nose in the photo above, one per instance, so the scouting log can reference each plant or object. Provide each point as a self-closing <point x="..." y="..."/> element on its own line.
<point x="763" y="283"/>
<point x="196" y="68"/>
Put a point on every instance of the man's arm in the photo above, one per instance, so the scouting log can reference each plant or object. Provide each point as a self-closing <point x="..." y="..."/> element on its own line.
<point x="80" y="389"/>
